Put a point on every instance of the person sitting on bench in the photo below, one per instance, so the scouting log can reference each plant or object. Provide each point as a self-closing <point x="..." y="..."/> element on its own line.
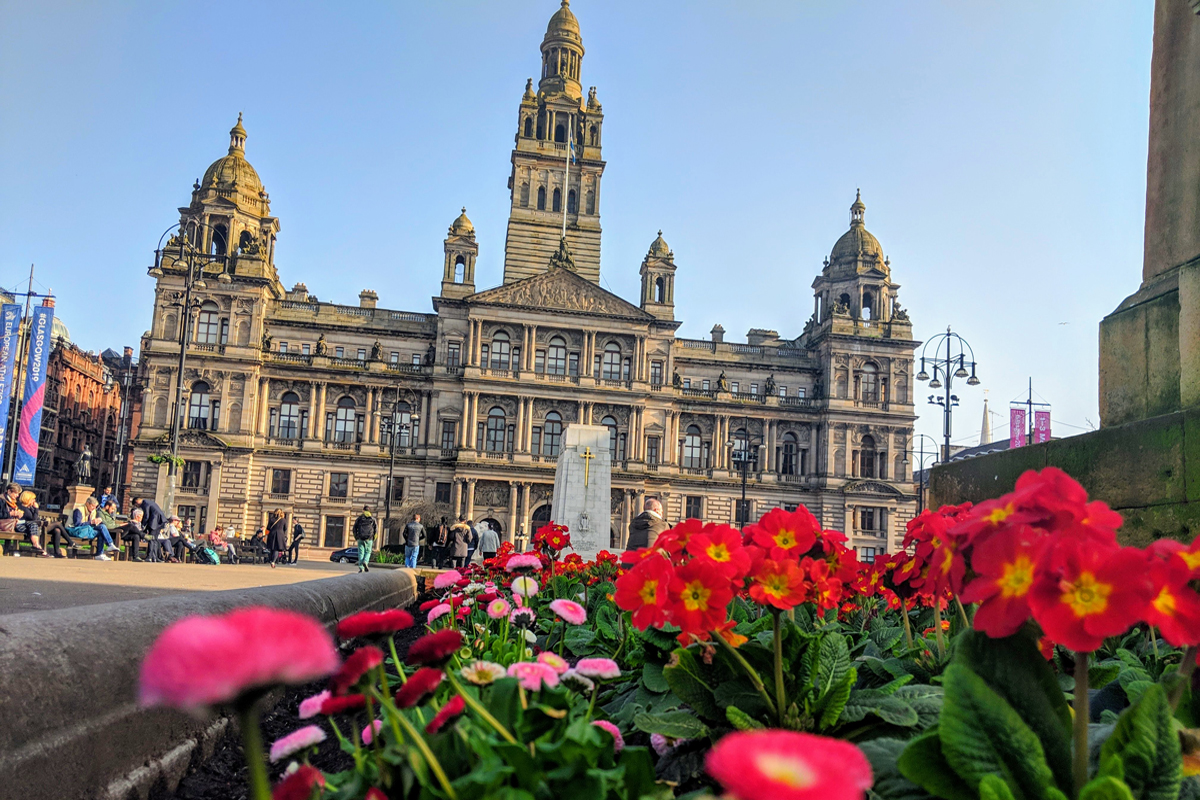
<point x="134" y="533"/>
<point x="30" y="525"/>
<point x="86" y="524"/>
<point x="216" y="540"/>
<point x="12" y="519"/>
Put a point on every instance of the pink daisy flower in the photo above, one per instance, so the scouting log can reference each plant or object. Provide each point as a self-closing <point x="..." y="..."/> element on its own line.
<point x="614" y="731"/>
<point x="533" y="675"/>
<point x="447" y="579"/>
<point x="369" y="732"/>
<point x="311" y="706"/>
<point x="437" y="612"/>
<point x="569" y="611"/>
<point x="294" y="742"/>
<point x="523" y="561"/>
<point x="598" y="668"/>
<point x="554" y="662"/>
<point x="498" y="608"/>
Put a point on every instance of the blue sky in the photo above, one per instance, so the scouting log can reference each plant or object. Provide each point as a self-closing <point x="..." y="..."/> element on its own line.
<point x="1000" y="147"/>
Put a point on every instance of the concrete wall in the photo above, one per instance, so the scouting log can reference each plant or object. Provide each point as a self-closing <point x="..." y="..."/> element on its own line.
<point x="1147" y="470"/>
<point x="70" y="726"/>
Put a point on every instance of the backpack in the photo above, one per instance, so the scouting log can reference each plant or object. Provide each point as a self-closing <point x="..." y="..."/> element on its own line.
<point x="206" y="555"/>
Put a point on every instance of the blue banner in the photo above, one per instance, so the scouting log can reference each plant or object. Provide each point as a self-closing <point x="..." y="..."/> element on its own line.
<point x="30" y="428"/>
<point x="10" y="334"/>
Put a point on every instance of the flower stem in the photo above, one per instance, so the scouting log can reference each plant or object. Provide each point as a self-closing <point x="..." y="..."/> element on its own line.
<point x="1154" y="642"/>
<point x="962" y="613"/>
<point x="479" y="709"/>
<point x="908" y="640"/>
<point x="396" y="660"/>
<point x="1184" y="676"/>
<point x="374" y="735"/>
<point x="252" y="743"/>
<point x="750" y="672"/>
<point x="778" y="640"/>
<point x="562" y="637"/>
<point x="434" y="765"/>
<point x="937" y="628"/>
<point x="1082" y="715"/>
<point x="592" y="702"/>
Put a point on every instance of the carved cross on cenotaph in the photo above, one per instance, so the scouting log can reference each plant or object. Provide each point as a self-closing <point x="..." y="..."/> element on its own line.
<point x="587" y="457"/>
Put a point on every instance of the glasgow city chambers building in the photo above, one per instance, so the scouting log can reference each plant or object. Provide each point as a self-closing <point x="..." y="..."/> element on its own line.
<point x="291" y="403"/>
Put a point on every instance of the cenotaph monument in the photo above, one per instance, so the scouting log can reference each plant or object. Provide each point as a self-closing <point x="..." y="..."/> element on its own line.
<point x="583" y="488"/>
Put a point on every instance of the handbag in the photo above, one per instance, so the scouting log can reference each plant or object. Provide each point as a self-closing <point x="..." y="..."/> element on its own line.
<point x="8" y="525"/>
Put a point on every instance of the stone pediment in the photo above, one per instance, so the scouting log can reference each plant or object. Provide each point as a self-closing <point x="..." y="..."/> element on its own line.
<point x="871" y="487"/>
<point x="198" y="438"/>
<point x="560" y="290"/>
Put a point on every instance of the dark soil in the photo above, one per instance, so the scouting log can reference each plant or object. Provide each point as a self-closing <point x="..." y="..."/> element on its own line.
<point x="223" y="776"/>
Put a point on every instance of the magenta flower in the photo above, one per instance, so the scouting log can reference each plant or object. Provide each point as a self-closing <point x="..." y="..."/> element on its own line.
<point x="553" y="661"/>
<point x="447" y="579"/>
<point x="200" y="662"/>
<point x="369" y="732"/>
<point x="355" y="668"/>
<point x="598" y="668"/>
<point x="498" y="608"/>
<point x="294" y="742"/>
<point x="614" y="731"/>
<point x="523" y="561"/>
<point x="523" y="617"/>
<point x="533" y="675"/>
<point x="569" y="611"/>
<point x="311" y="706"/>
<point x="437" y="612"/>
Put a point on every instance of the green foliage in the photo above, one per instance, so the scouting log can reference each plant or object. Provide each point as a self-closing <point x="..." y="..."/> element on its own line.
<point x="675" y="724"/>
<point x="1146" y="746"/>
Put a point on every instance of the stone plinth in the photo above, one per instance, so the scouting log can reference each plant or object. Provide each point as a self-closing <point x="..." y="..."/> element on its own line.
<point x="583" y="488"/>
<point x="77" y="495"/>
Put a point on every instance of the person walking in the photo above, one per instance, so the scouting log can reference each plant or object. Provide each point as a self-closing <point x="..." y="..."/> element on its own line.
<point x="473" y="542"/>
<point x="437" y="550"/>
<point x="293" y="551"/>
<point x="277" y="535"/>
<point x="489" y="541"/>
<point x="364" y="534"/>
<point x="414" y="534"/>
<point x="460" y="538"/>
<point x="646" y="526"/>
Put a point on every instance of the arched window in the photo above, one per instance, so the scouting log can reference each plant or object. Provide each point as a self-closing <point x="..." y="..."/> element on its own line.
<point x="844" y="300"/>
<point x="541" y="126"/>
<point x="557" y="200"/>
<point x="170" y="327"/>
<point x="741" y="446"/>
<point x="160" y="414"/>
<point x="344" y="421"/>
<point x="460" y="269"/>
<point x="660" y="290"/>
<point x="525" y="194"/>
<point x="789" y="454"/>
<point x="592" y="136"/>
<point x="528" y="127"/>
<point x="611" y="424"/>
<point x="496" y="426"/>
<point x="208" y="324"/>
<point x="591" y="202"/>
<point x="289" y="416"/>
<point x="243" y="333"/>
<point x="541" y="198"/>
<point x="405" y="432"/>
<point x="868" y="383"/>
<point x="868" y="303"/>
<point x="219" y="245"/>
<point x="552" y="434"/>
<point x="571" y="209"/>
<point x="556" y="356"/>
<point x="500" y="350"/>
<point x="611" y="366"/>
<point x="866" y="457"/>
<point x="200" y="410"/>
<point x="692" y="448"/>
<point x="560" y="133"/>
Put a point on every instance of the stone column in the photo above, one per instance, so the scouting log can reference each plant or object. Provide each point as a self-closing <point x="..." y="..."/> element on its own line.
<point x="456" y="499"/>
<point x="470" y="498"/>
<point x="526" y="511"/>
<point x="373" y="414"/>
<point x="532" y="348"/>
<point x="314" y="411"/>
<point x="772" y="427"/>
<point x="623" y="533"/>
<point x="512" y="512"/>
<point x="264" y="401"/>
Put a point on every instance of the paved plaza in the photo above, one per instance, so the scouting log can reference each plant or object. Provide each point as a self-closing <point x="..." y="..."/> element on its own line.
<point x="38" y="584"/>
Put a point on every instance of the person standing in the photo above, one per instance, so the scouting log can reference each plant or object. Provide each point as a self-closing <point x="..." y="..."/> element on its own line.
<point x="107" y="495"/>
<point x="414" y="534"/>
<point x="646" y="526"/>
<point x="364" y="534"/>
<point x="460" y="538"/>
<point x="277" y="535"/>
<point x="293" y="553"/>
<point x="153" y="518"/>
<point x="473" y="542"/>
<point x="437" y="550"/>
<point x="489" y="541"/>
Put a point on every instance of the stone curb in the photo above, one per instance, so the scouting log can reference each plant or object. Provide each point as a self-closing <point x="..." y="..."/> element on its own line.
<point x="71" y="727"/>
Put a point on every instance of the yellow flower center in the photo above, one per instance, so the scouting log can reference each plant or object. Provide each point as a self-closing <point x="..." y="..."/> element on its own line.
<point x="947" y="561"/>
<point x="718" y="552"/>
<point x="998" y="515"/>
<point x="785" y="539"/>
<point x="775" y="585"/>
<point x="1191" y="559"/>
<point x="649" y="592"/>
<point x="1017" y="577"/>
<point x="1086" y="596"/>
<point x="695" y="596"/>
<point x="1165" y="602"/>
<point x="791" y="772"/>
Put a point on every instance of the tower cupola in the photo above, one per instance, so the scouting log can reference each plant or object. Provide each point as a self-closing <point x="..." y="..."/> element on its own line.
<point x="458" y="269"/>
<point x="658" y="280"/>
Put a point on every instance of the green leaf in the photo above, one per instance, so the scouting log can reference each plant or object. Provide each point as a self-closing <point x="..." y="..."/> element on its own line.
<point x="923" y="763"/>
<point x="1102" y="675"/>
<point x="503" y="699"/>
<point x="993" y="788"/>
<point x="1014" y="668"/>
<point x="741" y="720"/>
<point x="833" y="662"/>
<point x="676" y="724"/>
<point x="742" y="694"/>
<point x="579" y="640"/>
<point x="1148" y="747"/>
<point x="982" y="734"/>
<point x="1135" y="689"/>
<point x="831" y="704"/>
<point x="652" y="677"/>
<point x="926" y="701"/>
<point x="686" y="682"/>
<point x="889" y="709"/>
<point x="638" y="769"/>
<point x="889" y="784"/>
<point x="1106" y="788"/>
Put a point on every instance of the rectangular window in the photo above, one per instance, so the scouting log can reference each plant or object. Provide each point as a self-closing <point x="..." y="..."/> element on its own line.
<point x="479" y="434"/>
<point x="733" y="387"/>
<point x="754" y="388"/>
<point x="441" y="493"/>
<point x="447" y="434"/>
<point x="687" y="383"/>
<point x="866" y="555"/>
<point x="800" y="392"/>
<point x="626" y="368"/>
<point x="704" y="384"/>
<point x="484" y="351"/>
<point x="866" y="520"/>
<point x="536" y="440"/>
<point x="340" y="352"/>
<point x="652" y="450"/>
<point x="225" y="330"/>
<point x="783" y="391"/>
<point x="281" y="481"/>
<point x="305" y="349"/>
<point x="573" y="365"/>
<point x="193" y="474"/>
<point x="693" y="507"/>
<point x="656" y="373"/>
<point x="394" y="357"/>
<point x="283" y="347"/>
<point x="416" y="359"/>
<point x="362" y="354"/>
<point x="453" y="354"/>
<point x="339" y="484"/>
<point x="335" y="531"/>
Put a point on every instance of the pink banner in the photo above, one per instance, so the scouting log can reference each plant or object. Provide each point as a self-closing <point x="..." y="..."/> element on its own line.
<point x="1016" y="427"/>
<point x="1041" y="426"/>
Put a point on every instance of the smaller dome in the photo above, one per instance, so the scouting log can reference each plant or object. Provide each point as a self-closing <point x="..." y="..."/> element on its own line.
<point x="659" y="247"/>
<point x="563" y="23"/>
<point x="858" y="241"/>
<point x="233" y="168"/>
<point x="462" y="226"/>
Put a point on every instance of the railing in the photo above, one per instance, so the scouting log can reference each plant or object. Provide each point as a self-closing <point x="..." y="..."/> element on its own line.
<point x="449" y="452"/>
<point x="706" y="393"/>
<point x="554" y="378"/>
<point x="356" y="311"/>
<point x="492" y="372"/>
<point x="291" y="358"/>
<point x="284" y="441"/>
<point x="405" y="316"/>
<point x="705" y="471"/>
<point x="748" y="397"/>
<point x="494" y="456"/>
<point x="408" y="369"/>
<point x="613" y="383"/>
<point x="455" y="369"/>
<point x="792" y="478"/>
<point x="282" y="497"/>
<point x="353" y="363"/>
<point x="193" y="490"/>
<point x="335" y="445"/>
<point x="336" y="500"/>
<point x="880" y="404"/>
<point x="799" y="402"/>
<point x="697" y="344"/>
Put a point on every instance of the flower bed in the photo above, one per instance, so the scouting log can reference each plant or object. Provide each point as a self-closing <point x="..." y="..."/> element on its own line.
<point x="764" y="663"/>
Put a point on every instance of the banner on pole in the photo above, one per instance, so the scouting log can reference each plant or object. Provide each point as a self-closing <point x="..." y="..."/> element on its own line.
<point x="30" y="428"/>
<point x="10" y="334"/>
<point x="1041" y="426"/>
<point x="1016" y="427"/>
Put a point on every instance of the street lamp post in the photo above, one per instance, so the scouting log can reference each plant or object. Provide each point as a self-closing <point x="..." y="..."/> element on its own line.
<point x="921" y="456"/>
<point x="195" y="262"/>
<point x="741" y="457"/>
<point x="393" y="430"/>
<point x="947" y="366"/>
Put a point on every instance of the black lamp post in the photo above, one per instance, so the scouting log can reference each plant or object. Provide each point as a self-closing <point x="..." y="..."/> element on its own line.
<point x="393" y="429"/>
<point x="921" y="456"/>
<point x="741" y="457"/>
<point x="195" y="262"/>
<point x="948" y="361"/>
